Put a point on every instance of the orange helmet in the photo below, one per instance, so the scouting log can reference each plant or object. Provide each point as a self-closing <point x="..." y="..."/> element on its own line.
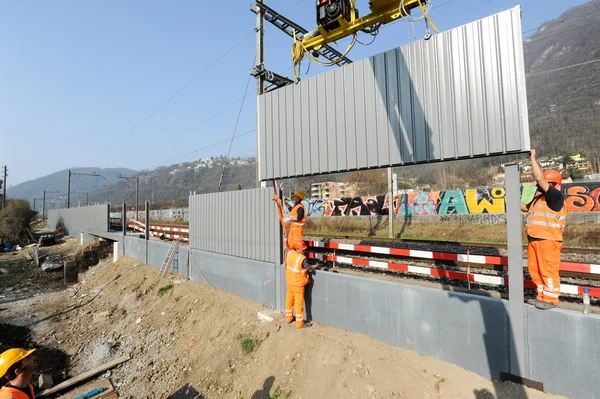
<point x="300" y="245"/>
<point x="552" y="176"/>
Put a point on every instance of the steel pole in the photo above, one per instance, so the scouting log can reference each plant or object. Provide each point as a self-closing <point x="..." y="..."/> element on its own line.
<point x="515" y="269"/>
<point x="390" y="204"/>
<point x="44" y="207"/>
<point x="4" y="189"/>
<point x="260" y="78"/>
<point x="69" y="191"/>
<point x="137" y="204"/>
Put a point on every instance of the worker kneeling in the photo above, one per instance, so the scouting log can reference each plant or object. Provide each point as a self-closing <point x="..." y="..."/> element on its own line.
<point x="296" y="277"/>
<point x="17" y="365"/>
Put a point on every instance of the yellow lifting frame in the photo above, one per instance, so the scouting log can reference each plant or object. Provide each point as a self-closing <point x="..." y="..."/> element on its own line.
<point x="383" y="11"/>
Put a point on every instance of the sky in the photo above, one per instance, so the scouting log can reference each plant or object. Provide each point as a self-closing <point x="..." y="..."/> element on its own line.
<point x="80" y="80"/>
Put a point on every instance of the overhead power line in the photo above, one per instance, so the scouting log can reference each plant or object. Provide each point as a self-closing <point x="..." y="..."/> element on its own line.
<point x="189" y="83"/>
<point x="236" y="123"/>
<point x="562" y="31"/>
<point x="545" y="24"/>
<point x="563" y="68"/>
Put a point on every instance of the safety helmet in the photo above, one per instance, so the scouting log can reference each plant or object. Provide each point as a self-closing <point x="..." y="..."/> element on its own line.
<point x="300" y="194"/>
<point x="300" y="245"/>
<point x="12" y="356"/>
<point x="552" y="176"/>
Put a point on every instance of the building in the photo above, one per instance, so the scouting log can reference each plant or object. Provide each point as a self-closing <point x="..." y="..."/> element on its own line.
<point x="332" y="190"/>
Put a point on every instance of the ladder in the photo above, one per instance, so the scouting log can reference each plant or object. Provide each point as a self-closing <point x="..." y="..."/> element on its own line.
<point x="169" y="259"/>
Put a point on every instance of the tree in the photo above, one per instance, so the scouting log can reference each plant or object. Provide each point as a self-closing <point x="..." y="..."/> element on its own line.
<point x="239" y="187"/>
<point x="575" y="174"/>
<point x="15" y="219"/>
<point x="566" y="159"/>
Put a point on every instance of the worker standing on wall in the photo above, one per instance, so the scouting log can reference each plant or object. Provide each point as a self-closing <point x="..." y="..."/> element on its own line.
<point x="297" y="219"/>
<point x="546" y="221"/>
<point x="296" y="277"/>
<point x="18" y="366"/>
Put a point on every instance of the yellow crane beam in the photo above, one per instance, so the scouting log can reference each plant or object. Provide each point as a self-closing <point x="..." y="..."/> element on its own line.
<point x="382" y="12"/>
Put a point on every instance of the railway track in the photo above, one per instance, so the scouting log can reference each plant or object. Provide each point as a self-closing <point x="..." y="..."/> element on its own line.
<point x="590" y="251"/>
<point x="485" y="270"/>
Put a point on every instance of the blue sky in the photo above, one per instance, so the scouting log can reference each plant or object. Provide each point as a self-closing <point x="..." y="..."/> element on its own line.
<point x="77" y="76"/>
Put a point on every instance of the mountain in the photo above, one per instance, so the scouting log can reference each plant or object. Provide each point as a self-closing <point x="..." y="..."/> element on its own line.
<point x="174" y="183"/>
<point x="564" y="99"/>
<point x="58" y="182"/>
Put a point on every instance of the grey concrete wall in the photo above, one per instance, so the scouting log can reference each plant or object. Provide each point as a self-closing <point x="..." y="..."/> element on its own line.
<point x="135" y="248"/>
<point x="248" y="278"/>
<point x="564" y="352"/>
<point x="466" y="330"/>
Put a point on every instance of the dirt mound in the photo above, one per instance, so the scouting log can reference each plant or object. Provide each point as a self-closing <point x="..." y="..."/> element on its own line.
<point x="189" y="340"/>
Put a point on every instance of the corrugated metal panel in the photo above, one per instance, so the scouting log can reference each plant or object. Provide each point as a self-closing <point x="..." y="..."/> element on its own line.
<point x="237" y="223"/>
<point x="460" y="94"/>
<point x="93" y="217"/>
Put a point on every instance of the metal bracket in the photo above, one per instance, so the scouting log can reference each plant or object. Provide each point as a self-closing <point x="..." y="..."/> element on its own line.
<point x="287" y="26"/>
<point x="275" y="79"/>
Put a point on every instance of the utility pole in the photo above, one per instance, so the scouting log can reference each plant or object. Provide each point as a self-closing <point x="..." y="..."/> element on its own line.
<point x="260" y="79"/>
<point x="44" y="203"/>
<point x="4" y="189"/>
<point x="69" y="191"/>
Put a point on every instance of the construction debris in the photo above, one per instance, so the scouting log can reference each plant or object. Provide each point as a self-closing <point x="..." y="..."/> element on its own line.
<point x="52" y="262"/>
<point x="45" y="381"/>
<point x="82" y="377"/>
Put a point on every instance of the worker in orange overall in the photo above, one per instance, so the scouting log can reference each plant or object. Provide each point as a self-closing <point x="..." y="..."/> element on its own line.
<point x="546" y="221"/>
<point x="18" y="366"/>
<point x="297" y="220"/>
<point x="296" y="277"/>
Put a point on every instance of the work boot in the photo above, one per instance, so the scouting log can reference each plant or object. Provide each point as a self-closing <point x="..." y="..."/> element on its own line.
<point x="532" y="301"/>
<point x="544" y="305"/>
<point x="291" y="321"/>
<point x="306" y="325"/>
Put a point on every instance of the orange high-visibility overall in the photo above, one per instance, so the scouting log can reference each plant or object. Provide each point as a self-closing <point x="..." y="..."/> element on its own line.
<point x="296" y="277"/>
<point x="12" y="393"/>
<point x="296" y="226"/>
<point x="545" y="230"/>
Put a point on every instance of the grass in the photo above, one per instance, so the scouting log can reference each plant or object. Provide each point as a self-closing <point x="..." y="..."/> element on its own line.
<point x="575" y="235"/>
<point x="248" y="343"/>
<point x="163" y="290"/>
<point x="280" y="394"/>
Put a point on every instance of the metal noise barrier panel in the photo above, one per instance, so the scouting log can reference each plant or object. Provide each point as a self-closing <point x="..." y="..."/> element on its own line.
<point x="94" y="217"/>
<point x="238" y="223"/>
<point x="460" y="94"/>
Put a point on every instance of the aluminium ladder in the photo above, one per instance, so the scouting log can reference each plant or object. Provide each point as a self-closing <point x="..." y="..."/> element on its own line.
<point x="169" y="258"/>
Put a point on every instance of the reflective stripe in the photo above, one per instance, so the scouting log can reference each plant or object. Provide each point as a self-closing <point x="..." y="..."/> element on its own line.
<point x="291" y="223"/>
<point x="550" y="283"/>
<point x="296" y="271"/>
<point x="548" y="215"/>
<point x="546" y="224"/>
<point x="550" y="294"/>
<point x="540" y="288"/>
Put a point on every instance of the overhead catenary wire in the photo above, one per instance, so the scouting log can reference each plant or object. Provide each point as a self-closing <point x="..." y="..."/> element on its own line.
<point x="198" y="125"/>
<point x="236" y="125"/>
<point x="563" y="68"/>
<point x="189" y="83"/>
<point x="546" y="24"/>
<point x="561" y="32"/>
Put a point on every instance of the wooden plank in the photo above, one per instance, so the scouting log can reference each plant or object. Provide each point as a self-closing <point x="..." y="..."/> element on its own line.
<point x="84" y="376"/>
<point x="89" y="387"/>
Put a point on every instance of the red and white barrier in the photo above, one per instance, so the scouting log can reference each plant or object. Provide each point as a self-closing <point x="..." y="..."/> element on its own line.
<point x="173" y="229"/>
<point x="155" y="234"/>
<point x="576" y="267"/>
<point x="454" y="275"/>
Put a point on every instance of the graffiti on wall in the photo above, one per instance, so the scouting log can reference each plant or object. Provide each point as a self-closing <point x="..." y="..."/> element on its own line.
<point x="579" y="197"/>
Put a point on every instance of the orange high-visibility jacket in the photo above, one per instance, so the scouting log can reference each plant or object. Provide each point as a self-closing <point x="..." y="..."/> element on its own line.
<point x="543" y="222"/>
<point x="294" y="216"/>
<point x="295" y="274"/>
<point x="12" y="393"/>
